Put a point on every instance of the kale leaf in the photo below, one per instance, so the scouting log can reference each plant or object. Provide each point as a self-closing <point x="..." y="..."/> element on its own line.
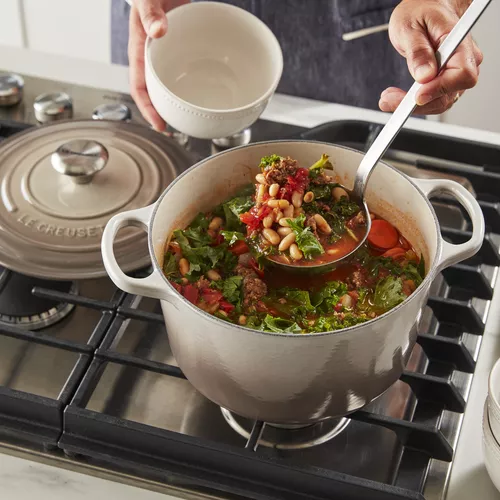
<point x="197" y="231"/>
<point x="280" y="325"/>
<point x="202" y="259"/>
<point x="389" y="292"/>
<point x="317" y="168"/>
<point x="328" y="296"/>
<point x="305" y="239"/>
<point x="233" y="209"/>
<point x="170" y="265"/>
<point x="322" y="192"/>
<point x="231" y="237"/>
<point x="230" y="288"/>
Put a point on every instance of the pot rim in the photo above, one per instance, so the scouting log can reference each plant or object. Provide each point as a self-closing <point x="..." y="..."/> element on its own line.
<point x="156" y="266"/>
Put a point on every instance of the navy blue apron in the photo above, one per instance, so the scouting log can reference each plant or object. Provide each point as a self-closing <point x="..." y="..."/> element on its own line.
<point x="319" y="63"/>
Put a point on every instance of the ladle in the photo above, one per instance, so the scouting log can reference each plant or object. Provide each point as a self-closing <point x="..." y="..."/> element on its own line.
<point x="390" y="131"/>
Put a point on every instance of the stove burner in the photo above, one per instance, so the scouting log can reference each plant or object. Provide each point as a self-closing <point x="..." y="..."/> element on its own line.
<point x="19" y="307"/>
<point x="289" y="437"/>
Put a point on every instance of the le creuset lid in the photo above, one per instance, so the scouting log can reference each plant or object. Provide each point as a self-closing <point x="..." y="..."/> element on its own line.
<point x="61" y="183"/>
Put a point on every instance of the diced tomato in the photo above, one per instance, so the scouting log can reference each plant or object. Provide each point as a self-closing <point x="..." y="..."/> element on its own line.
<point x="256" y="268"/>
<point x="239" y="248"/>
<point x="298" y="182"/>
<point x="338" y="307"/>
<point x="396" y="253"/>
<point x="175" y="249"/>
<point x="383" y="235"/>
<point x="190" y="292"/>
<point x="177" y="287"/>
<point x="253" y="217"/>
<point x="217" y="240"/>
<point x="211" y="296"/>
<point x="226" y="306"/>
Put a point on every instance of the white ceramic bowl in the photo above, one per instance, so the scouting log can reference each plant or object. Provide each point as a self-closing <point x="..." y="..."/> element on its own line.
<point x="491" y="450"/>
<point x="493" y="400"/>
<point x="214" y="71"/>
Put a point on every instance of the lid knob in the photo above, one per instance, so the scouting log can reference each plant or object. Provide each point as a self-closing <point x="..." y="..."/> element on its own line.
<point x="52" y="107"/>
<point x="80" y="159"/>
<point x="11" y="89"/>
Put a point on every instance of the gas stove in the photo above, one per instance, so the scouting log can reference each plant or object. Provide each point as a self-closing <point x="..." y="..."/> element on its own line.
<point x="88" y="380"/>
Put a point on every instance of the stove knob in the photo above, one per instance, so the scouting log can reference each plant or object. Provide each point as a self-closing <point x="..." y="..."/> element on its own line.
<point x="52" y="107"/>
<point x="80" y="159"/>
<point x="112" y="111"/>
<point x="11" y="89"/>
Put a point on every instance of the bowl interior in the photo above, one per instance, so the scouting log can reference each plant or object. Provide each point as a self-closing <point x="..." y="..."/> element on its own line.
<point x="217" y="56"/>
<point x="389" y="193"/>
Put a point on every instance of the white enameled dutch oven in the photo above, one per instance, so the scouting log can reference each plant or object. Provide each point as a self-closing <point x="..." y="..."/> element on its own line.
<point x="290" y="378"/>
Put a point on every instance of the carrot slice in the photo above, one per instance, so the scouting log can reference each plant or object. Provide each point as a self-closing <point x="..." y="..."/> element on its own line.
<point x="383" y="235"/>
<point x="395" y="253"/>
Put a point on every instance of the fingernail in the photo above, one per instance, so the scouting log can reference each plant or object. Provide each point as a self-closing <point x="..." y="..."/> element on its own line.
<point x="423" y="72"/>
<point x="156" y="28"/>
<point x="424" y="99"/>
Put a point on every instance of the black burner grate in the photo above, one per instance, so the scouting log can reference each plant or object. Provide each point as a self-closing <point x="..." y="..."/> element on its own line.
<point x="128" y="352"/>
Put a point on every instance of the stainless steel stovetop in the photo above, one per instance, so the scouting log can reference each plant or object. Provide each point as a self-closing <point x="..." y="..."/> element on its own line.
<point x="88" y="381"/>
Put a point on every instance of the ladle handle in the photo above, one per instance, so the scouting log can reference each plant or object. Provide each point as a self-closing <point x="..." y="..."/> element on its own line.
<point x="408" y="104"/>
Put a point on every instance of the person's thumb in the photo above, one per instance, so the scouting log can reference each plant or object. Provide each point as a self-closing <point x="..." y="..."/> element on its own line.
<point x="152" y="17"/>
<point x="415" y="45"/>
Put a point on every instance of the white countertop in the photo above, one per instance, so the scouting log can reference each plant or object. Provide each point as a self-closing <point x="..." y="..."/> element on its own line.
<point x="22" y="479"/>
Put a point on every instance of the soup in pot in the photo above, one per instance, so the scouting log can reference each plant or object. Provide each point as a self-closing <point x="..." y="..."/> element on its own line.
<point x="298" y="216"/>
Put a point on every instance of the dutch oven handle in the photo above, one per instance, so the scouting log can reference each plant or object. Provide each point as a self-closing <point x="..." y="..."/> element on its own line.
<point x="153" y="285"/>
<point x="452" y="254"/>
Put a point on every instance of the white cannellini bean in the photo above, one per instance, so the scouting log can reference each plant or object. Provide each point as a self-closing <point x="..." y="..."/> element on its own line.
<point x="213" y="275"/>
<point x="260" y="193"/>
<point x="338" y="192"/>
<point x="332" y="251"/>
<point x="268" y="220"/>
<point x="323" y="226"/>
<point x="286" y="242"/>
<point x="283" y="231"/>
<point x="284" y="221"/>
<point x="271" y="235"/>
<point x="242" y="320"/>
<point x="298" y="211"/>
<point x="260" y="178"/>
<point x="296" y="199"/>
<point x="273" y="189"/>
<point x="278" y="215"/>
<point x="215" y="223"/>
<point x="295" y="252"/>
<point x="308" y="197"/>
<point x="184" y="266"/>
<point x="288" y="211"/>
<point x="278" y="203"/>
<point x="346" y="301"/>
